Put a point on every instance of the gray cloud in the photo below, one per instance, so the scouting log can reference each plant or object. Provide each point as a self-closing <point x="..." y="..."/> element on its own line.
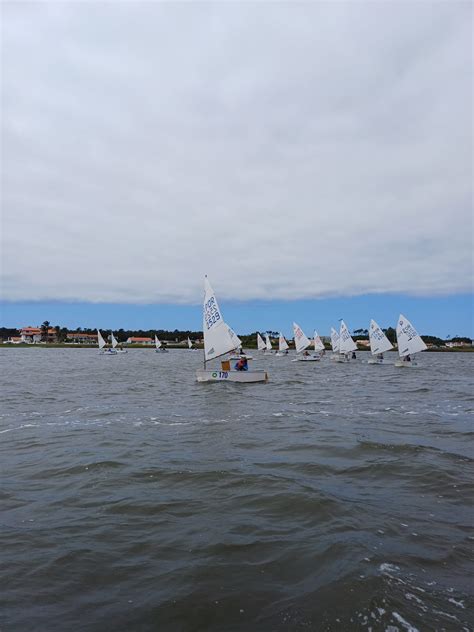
<point x="287" y="150"/>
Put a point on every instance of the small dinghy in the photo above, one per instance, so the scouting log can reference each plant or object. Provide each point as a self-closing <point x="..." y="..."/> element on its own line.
<point x="379" y="343"/>
<point x="158" y="346"/>
<point x="261" y="346"/>
<point x="115" y="344"/>
<point x="302" y="342"/>
<point x="347" y="347"/>
<point x="409" y="342"/>
<point x="220" y="339"/>
<point x="103" y="344"/>
<point x="334" y="345"/>
<point x="282" y="346"/>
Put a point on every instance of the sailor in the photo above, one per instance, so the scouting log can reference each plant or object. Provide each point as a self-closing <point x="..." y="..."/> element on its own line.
<point x="354" y="357"/>
<point x="241" y="364"/>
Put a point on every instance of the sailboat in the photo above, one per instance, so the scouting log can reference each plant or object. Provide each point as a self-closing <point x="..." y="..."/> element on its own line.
<point x="261" y="346"/>
<point x="268" y="344"/>
<point x="346" y="345"/>
<point x="158" y="346"/>
<point x="282" y="346"/>
<point x="334" y="344"/>
<point x="220" y="339"/>
<point x="102" y="345"/>
<point x="114" y="342"/>
<point x="191" y="347"/>
<point x="379" y="343"/>
<point x="318" y="344"/>
<point x="409" y="342"/>
<point x="302" y="342"/>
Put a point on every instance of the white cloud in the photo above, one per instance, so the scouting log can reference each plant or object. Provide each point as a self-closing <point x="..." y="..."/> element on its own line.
<point x="287" y="150"/>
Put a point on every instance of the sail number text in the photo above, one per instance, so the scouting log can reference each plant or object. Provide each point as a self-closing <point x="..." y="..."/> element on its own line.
<point x="211" y="313"/>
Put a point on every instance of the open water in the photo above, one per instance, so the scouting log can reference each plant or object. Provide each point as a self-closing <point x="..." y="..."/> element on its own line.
<point x="336" y="497"/>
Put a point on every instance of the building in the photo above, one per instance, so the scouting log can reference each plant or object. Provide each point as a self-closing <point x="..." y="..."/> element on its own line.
<point x="140" y="341"/>
<point x="80" y="338"/>
<point x="13" y="340"/>
<point x="33" y="335"/>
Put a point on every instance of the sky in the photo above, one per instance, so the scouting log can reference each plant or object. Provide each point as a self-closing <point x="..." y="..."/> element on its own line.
<point x="300" y="154"/>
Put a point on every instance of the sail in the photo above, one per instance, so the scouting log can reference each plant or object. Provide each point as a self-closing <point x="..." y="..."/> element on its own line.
<point x="301" y="340"/>
<point x="100" y="339"/>
<point x="157" y="342"/>
<point x="268" y="344"/>
<point x="408" y="339"/>
<point x="282" y="344"/>
<point x="318" y="343"/>
<point x="261" y="346"/>
<point x="190" y="344"/>
<point x="113" y="340"/>
<point x="378" y="340"/>
<point x="218" y="337"/>
<point x="346" y="344"/>
<point x="334" y="340"/>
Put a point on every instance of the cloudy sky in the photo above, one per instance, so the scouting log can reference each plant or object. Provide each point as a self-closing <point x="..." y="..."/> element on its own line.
<point x="288" y="150"/>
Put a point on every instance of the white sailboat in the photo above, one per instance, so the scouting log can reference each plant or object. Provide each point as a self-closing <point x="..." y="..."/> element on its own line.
<point x="220" y="339"/>
<point x="114" y="342"/>
<point x="347" y="346"/>
<point x="302" y="342"/>
<point x="379" y="343"/>
<point x="409" y="342"/>
<point x="334" y="344"/>
<point x="261" y="346"/>
<point x="282" y="346"/>
<point x="103" y="344"/>
<point x="317" y="342"/>
<point x="158" y="346"/>
<point x="268" y="344"/>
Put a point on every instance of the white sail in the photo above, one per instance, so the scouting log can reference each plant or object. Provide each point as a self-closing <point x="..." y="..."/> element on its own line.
<point x="282" y="344"/>
<point x="190" y="344"/>
<point x="113" y="340"/>
<point x="218" y="337"/>
<point x="301" y="340"/>
<point x="157" y="342"/>
<point x="346" y="344"/>
<point x="261" y="346"/>
<point x="334" y="340"/>
<point x="378" y="340"/>
<point x="268" y="344"/>
<point x="100" y="339"/>
<point x="408" y="339"/>
<point x="318" y="343"/>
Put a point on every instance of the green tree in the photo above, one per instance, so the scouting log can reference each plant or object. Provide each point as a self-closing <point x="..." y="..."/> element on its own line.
<point x="44" y="331"/>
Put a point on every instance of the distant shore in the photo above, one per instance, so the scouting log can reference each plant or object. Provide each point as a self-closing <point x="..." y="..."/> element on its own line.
<point x="56" y="345"/>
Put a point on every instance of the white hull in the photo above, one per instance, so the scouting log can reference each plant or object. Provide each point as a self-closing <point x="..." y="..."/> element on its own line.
<point x="405" y="365"/>
<point x="307" y="359"/>
<point x="122" y="350"/>
<point x="244" y="377"/>
<point x="376" y="361"/>
<point x="281" y="353"/>
<point x="108" y="352"/>
<point x="244" y="356"/>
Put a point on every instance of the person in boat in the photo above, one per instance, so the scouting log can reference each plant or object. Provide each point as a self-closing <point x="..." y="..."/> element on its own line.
<point x="354" y="357"/>
<point x="380" y="357"/>
<point x="242" y="365"/>
<point x="306" y="354"/>
<point x="407" y="358"/>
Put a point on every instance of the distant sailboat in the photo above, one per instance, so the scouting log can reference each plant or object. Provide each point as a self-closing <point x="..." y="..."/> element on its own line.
<point x="318" y="343"/>
<point x="409" y="342"/>
<point x="261" y="346"/>
<point x="268" y="344"/>
<point x="220" y="339"/>
<point x="282" y="346"/>
<point x="302" y="342"/>
<point x="379" y="343"/>
<point x="347" y="346"/>
<point x="158" y="346"/>
<point x="334" y="344"/>
<point x="102" y="345"/>
<point x="114" y="342"/>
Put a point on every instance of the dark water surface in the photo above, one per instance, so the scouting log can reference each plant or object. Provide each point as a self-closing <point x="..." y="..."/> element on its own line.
<point x="336" y="497"/>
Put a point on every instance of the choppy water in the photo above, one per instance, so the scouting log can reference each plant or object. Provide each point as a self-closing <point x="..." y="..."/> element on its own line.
<point x="336" y="497"/>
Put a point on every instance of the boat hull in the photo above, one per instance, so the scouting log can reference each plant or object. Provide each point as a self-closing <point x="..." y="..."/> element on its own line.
<point x="375" y="361"/>
<point x="307" y="359"/>
<point x="244" y="357"/>
<point x="405" y="365"/>
<point x="243" y="377"/>
<point x="109" y="352"/>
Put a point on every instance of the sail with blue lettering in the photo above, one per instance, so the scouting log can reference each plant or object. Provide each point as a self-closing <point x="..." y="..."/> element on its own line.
<point x="408" y="339"/>
<point x="334" y="340"/>
<point x="346" y="344"/>
<point x="379" y="343"/>
<point x="219" y="338"/>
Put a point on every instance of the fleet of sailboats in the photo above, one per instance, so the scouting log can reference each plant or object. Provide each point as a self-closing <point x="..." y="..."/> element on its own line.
<point x="220" y="340"/>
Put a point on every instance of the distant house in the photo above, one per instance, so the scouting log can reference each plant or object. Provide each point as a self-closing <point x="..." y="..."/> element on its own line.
<point x="139" y="341"/>
<point x="13" y="340"/>
<point x="33" y="334"/>
<point x="78" y="337"/>
<point x="452" y="344"/>
<point x="363" y="343"/>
